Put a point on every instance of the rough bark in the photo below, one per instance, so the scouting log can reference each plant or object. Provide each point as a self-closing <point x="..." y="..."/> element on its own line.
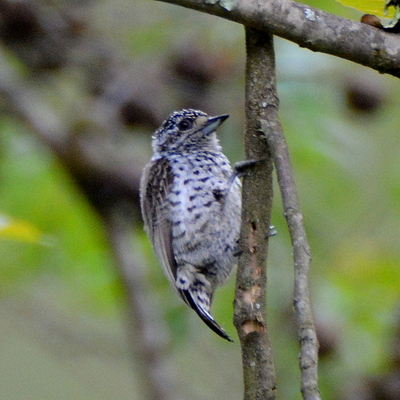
<point x="311" y="28"/>
<point x="301" y="255"/>
<point x="250" y="300"/>
<point x="265" y="140"/>
<point x="302" y="259"/>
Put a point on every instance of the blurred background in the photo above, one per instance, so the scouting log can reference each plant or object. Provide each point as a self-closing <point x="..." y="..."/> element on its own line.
<point x="85" y="310"/>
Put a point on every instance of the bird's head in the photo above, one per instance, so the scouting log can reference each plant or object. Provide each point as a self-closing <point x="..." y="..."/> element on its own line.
<point x="186" y="131"/>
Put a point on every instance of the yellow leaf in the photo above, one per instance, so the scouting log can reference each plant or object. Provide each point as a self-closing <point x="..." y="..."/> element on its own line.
<point x="14" y="229"/>
<point x="376" y="7"/>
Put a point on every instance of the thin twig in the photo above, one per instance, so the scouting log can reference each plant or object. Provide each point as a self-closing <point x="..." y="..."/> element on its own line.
<point x="302" y="257"/>
<point x="250" y="298"/>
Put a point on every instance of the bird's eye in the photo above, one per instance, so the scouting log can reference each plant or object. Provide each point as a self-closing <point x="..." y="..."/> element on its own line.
<point x="185" y="124"/>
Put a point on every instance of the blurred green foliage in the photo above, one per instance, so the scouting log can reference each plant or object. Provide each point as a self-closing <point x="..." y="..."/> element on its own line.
<point x="376" y="7"/>
<point x="18" y="230"/>
<point x="61" y="302"/>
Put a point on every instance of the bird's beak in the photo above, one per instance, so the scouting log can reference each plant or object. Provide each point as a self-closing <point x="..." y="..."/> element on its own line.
<point x="213" y="123"/>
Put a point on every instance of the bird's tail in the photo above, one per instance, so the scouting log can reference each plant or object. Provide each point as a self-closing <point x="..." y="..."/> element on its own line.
<point x="204" y="315"/>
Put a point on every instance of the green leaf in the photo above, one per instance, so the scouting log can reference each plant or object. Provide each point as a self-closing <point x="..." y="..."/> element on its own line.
<point x="376" y="7"/>
<point x="15" y="229"/>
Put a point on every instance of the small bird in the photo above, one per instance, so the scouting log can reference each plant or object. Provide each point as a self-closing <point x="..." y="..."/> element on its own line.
<point x="191" y="206"/>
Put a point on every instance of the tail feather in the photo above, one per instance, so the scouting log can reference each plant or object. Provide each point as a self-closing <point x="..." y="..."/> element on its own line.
<point x="204" y="315"/>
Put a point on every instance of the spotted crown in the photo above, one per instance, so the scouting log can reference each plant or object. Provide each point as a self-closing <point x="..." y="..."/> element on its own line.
<point x="178" y="130"/>
<point x="177" y="116"/>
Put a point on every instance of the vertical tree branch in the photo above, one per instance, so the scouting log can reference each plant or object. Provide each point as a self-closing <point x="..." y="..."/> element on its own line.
<point x="250" y="297"/>
<point x="301" y="254"/>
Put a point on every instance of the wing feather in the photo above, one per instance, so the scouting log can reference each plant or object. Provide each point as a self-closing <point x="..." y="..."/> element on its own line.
<point x="156" y="183"/>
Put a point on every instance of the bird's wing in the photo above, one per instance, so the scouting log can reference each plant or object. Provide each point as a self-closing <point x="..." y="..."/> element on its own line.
<point x="156" y="183"/>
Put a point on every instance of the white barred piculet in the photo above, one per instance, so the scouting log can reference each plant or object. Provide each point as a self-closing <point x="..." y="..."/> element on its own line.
<point x="191" y="206"/>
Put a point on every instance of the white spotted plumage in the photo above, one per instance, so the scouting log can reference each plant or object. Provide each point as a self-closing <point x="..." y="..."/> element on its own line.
<point x="191" y="207"/>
